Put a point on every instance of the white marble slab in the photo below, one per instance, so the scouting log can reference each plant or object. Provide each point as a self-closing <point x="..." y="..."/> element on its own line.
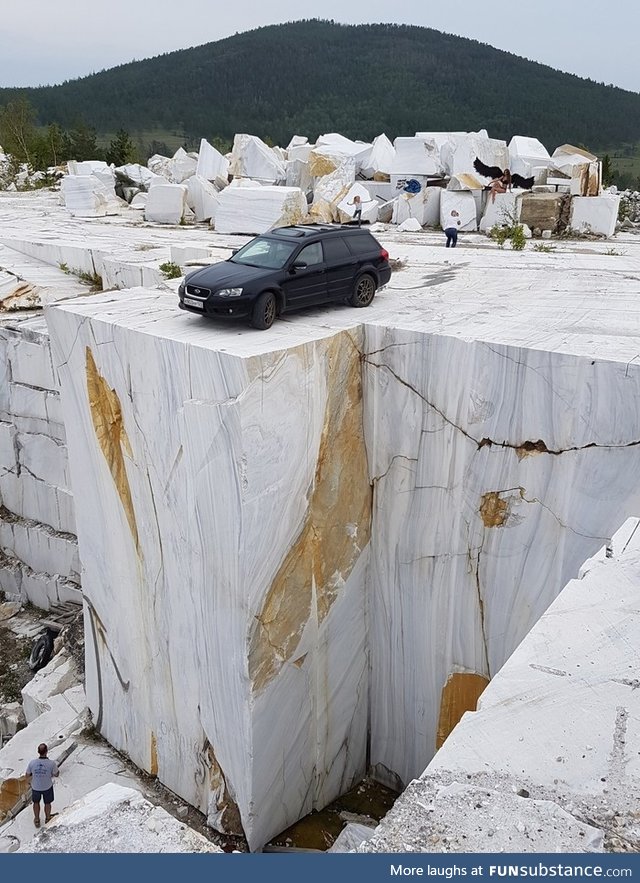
<point x="252" y="158"/>
<point x="188" y="553"/>
<point x="258" y="209"/>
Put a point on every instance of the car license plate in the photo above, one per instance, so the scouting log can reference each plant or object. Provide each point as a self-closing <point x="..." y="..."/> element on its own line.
<point x="192" y="302"/>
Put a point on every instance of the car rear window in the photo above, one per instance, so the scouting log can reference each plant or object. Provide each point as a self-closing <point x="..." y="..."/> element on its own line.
<point x="361" y="243"/>
<point x="335" y="248"/>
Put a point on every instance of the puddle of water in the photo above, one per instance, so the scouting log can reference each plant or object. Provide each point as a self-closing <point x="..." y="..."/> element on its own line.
<point x="319" y="830"/>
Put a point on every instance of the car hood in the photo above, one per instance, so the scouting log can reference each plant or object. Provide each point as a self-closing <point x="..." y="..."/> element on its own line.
<point x="225" y="275"/>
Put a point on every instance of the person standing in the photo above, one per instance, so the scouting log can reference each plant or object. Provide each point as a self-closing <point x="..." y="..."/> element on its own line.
<point x="450" y="228"/>
<point x="42" y="772"/>
<point x="356" y="202"/>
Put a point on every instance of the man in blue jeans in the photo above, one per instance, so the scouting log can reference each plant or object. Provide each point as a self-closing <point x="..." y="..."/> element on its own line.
<point x="42" y="771"/>
<point x="450" y="228"/>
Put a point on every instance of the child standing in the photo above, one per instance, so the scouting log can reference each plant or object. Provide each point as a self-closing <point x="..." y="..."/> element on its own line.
<point x="450" y="228"/>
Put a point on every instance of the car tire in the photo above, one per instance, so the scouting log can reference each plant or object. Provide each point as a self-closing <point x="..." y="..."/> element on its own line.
<point x="364" y="290"/>
<point x="41" y="651"/>
<point x="264" y="311"/>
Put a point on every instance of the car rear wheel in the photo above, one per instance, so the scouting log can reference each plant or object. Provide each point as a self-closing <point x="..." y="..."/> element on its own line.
<point x="264" y="311"/>
<point x="363" y="291"/>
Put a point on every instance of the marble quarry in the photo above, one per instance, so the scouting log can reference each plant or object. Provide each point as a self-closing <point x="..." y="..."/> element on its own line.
<point x="309" y="549"/>
<point x="313" y="181"/>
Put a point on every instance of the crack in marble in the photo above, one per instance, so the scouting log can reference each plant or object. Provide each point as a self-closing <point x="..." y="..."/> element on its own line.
<point x="522" y="450"/>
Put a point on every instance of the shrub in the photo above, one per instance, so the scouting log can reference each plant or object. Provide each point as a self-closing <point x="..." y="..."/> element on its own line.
<point x="170" y="270"/>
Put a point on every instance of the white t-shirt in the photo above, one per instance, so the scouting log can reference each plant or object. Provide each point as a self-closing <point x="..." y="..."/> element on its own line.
<point x="453" y="221"/>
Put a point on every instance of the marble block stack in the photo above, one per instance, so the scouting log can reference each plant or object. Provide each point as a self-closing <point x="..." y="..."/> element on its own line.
<point x="38" y="548"/>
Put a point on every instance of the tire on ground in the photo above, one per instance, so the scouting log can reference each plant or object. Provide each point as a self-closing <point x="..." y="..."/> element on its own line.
<point x="364" y="290"/>
<point x="264" y="311"/>
<point x="41" y="651"/>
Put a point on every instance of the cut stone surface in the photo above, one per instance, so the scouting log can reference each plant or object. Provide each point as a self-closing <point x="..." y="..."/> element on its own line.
<point x="12" y="719"/>
<point x="594" y="214"/>
<point x="459" y="152"/>
<point x="346" y="207"/>
<point x="134" y="825"/>
<point x="415" y="156"/>
<point x="528" y="156"/>
<point x="211" y="163"/>
<point x="202" y="198"/>
<point x="59" y="675"/>
<point x="544" y="210"/>
<point x="504" y="211"/>
<point x="252" y="158"/>
<point x="554" y="724"/>
<point x="254" y="210"/>
<point x="53" y="727"/>
<point x="86" y="196"/>
<point x="424" y="207"/>
<point x="464" y="203"/>
<point x="166" y="204"/>
<point x="462" y="818"/>
<point x="381" y="157"/>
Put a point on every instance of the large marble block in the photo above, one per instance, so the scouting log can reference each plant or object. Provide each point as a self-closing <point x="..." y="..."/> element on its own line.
<point x="459" y="152"/>
<point x="464" y="203"/>
<point x="415" y="156"/>
<point x="380" y="160"/>
<point x="258" y="209"/>
<point x="423" y="206"/>
<point x="202" y="198"/>
<point x="87" y="196"/>
<point x="493" y="483"/>
<point x="211" y="163"/>
<point x="252" y="158"/>
<point x="224" y="524"/>
<point x="595" y="214"/>
<point x="504" y="211"/>
<point x="528" y="156"/>
<point x="166" y="203"/>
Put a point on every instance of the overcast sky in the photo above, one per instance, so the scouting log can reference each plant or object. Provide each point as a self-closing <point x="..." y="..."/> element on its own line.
<point x="42" y="41"/>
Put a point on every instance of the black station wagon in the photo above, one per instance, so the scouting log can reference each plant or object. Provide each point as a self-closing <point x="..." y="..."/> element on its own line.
<point x="289" y="268"/>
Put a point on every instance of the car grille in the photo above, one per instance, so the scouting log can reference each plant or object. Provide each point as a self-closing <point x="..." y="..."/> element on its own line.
<point x="197" y="291"/>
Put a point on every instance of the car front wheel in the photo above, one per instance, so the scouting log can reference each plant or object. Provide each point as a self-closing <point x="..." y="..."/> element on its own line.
<point x="363" y="291"/>
<point x="264" y="311"/>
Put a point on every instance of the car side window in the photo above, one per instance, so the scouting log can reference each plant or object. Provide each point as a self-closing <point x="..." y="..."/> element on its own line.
<point x="335" y="249"/>
<point x="310" y="255"/>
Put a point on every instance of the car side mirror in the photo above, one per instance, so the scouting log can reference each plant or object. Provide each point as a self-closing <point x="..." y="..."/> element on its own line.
<point x="299" y="265"/>
<point x="234" y="251"/>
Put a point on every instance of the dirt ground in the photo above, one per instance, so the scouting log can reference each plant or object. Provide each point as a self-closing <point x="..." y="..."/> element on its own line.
<point x="14" y="670"/>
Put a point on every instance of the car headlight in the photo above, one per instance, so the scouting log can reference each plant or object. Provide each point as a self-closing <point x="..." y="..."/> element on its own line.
<point x="181" y="289"/>
<point x="229" y="292"/>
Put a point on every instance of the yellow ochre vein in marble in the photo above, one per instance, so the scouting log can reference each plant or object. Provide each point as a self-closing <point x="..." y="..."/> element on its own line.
<point x="459" y="694"/>
<point x="108" y="423"/>
<point x="336" y="529"/>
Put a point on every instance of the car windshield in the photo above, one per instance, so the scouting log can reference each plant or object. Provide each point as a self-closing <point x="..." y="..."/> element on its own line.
<point x="268" y="253"/>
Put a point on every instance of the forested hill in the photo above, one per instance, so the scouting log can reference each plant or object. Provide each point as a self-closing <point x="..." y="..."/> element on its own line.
<point x="315" y="76"/>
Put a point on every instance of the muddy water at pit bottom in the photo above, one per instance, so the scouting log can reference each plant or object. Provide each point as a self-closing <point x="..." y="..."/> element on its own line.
<point x="319" y="830"/>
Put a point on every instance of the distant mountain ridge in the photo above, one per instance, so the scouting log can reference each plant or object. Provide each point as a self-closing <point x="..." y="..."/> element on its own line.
<point x="315" y="76"/>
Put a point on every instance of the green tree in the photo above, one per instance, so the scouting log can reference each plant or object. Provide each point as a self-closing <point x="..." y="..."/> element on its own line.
<point x="608" y="172"/>
<point x="121" y="150"/>
<point x="80" y="143"/>
<point x="17" y="129"/>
